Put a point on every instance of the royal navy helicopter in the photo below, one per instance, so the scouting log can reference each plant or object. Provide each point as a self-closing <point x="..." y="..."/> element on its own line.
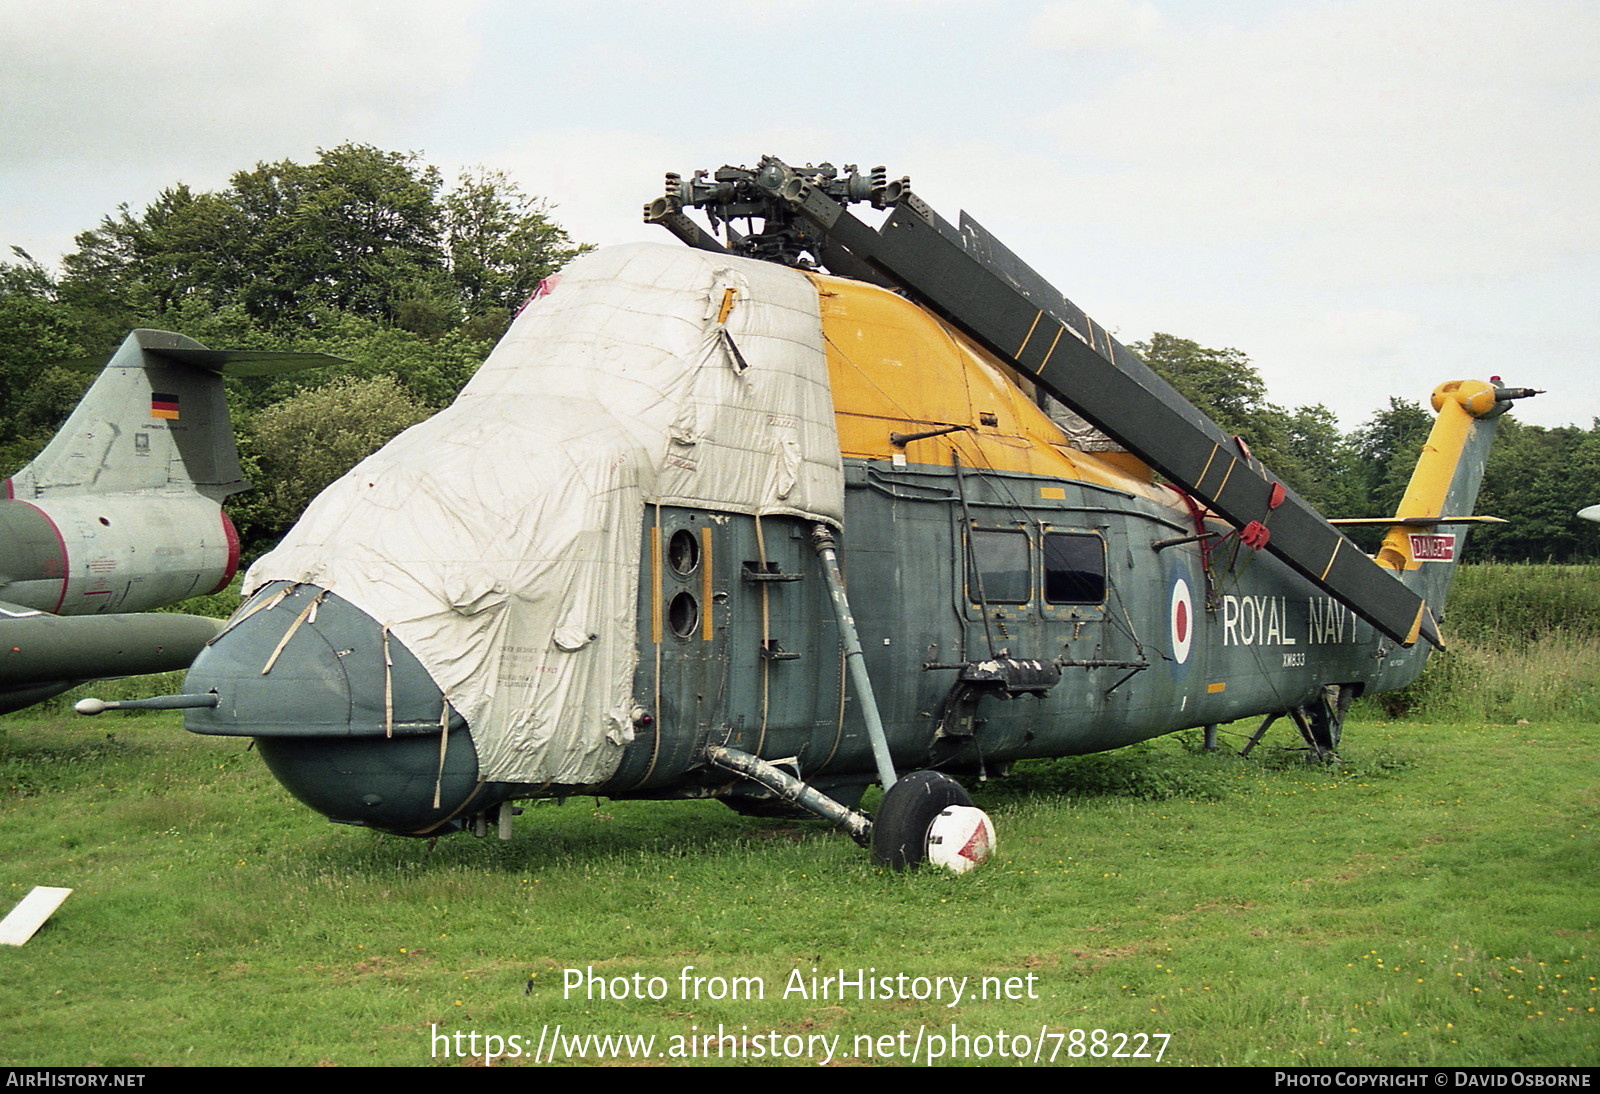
<point x="712" y="523"/>
<point x="121" y="512"/>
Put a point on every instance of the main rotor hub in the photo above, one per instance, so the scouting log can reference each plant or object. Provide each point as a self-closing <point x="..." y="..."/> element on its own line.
<point x="748" y="194"/>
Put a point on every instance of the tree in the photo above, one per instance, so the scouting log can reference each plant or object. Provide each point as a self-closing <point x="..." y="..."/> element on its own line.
<point x="298" y="446"/>
<point x="1221" y="382"/>
<point x="1387" y="447"/>
<point x="360" y="231"/>
<point x="184" y="246"/>
<point x="501" y="243"/>
<point x="363" y="254"/>
<point x="430" y="370"/>
<point x="1536" y="479"/>
<point x="40" y="332"/>
<point x="1228" y="388"/>
<point x="1326" y="464"/>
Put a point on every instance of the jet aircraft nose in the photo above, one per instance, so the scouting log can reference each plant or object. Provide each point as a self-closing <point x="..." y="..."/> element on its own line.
<point x="344" y="715"/>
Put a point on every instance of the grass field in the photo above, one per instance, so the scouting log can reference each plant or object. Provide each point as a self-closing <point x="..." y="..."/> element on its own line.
<point x="1523" y="643"/>
<point x="1430" y="901"/>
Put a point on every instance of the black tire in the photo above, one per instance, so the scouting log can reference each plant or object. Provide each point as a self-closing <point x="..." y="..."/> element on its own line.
<point x="900" y="830"/>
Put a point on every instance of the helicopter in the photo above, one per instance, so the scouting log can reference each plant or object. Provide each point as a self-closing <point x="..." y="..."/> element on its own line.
<point x="120" y="513"/>
<point x="772" y="517"/>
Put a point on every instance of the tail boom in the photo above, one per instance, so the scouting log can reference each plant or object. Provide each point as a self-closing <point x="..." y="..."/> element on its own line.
<point x="1444" y="487"/>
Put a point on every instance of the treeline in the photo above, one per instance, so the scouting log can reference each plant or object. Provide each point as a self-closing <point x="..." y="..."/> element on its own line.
<point x="371" y="256"/>
<point x="1536" y="478"/>
<point x="365" y="254"/>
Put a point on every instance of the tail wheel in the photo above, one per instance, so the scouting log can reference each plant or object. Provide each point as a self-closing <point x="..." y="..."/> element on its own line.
<point x="925" y="817"/>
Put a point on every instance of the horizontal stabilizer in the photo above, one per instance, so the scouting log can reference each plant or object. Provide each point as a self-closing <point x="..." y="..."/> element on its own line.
<point x="249" y="362"/>
<point x="1419" y="522"/>
<point x="228" y="362"/>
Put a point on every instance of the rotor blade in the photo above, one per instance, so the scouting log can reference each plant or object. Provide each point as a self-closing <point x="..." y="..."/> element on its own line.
<point x="970" y="279"/>
<point x="1420" y="522"/>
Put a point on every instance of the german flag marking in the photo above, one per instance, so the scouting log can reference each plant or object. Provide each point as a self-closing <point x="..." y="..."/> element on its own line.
<point x="163" y="405"/>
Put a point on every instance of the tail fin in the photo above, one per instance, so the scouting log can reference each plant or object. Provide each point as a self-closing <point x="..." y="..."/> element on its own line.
<point x="155" y="420"/>
<point x="1442" y="492"/>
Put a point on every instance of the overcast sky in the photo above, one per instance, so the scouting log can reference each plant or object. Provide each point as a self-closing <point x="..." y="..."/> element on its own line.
<point x="1367" y="197"/>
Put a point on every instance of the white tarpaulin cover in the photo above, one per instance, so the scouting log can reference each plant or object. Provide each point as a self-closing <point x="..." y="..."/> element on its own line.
<point x="500" y="539"/>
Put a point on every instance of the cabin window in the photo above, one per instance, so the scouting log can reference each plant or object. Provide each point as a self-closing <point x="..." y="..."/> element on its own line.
<point x="1000" y="571"/>
<point x="1074" y="568"/>
<point x="683" y="615"/>
<point x="683" y="552"/>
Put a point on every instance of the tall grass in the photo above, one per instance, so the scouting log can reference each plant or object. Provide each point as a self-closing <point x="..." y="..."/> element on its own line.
<point x="1522" y="644"/>
<point x="1508" y="604"/>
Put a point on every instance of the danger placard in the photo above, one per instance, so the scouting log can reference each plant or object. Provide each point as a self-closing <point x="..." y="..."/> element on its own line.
<point x="1433" y="547"/>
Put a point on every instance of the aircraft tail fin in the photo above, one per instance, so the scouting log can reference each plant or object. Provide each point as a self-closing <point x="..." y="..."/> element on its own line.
<point x="1443" y="488"/>
<point x="156" y="419"/>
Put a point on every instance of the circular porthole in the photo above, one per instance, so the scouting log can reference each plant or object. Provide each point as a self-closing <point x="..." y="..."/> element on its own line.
<point x="683" y="614"/>
<point x="683" y="552"/>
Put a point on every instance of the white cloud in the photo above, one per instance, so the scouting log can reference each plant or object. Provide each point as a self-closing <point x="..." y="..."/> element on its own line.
<point x="109" y="102"/>
<point x="1364" y="334"/>
<point x="182" y="79"/>
<point x="1095" y="25"/>
<point x="1394" y="191"/>
<point x="1369" y="139"/>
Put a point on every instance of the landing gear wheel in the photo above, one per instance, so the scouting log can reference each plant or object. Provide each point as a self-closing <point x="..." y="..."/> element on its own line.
<point x="909" y="813"/>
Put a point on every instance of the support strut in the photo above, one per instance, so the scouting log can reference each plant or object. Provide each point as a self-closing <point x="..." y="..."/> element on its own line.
<point x="822" y="540"/>
<point x="791" y="789"/>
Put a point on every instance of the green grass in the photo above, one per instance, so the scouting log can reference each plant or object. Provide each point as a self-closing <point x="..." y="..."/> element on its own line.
<point x="1522" y="645"/>
<point x="1516" y="603"/>
<point x="1430" y="901"/>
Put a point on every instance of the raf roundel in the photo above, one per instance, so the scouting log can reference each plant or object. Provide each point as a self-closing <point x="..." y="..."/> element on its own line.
<point x="1180" y="618"/>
